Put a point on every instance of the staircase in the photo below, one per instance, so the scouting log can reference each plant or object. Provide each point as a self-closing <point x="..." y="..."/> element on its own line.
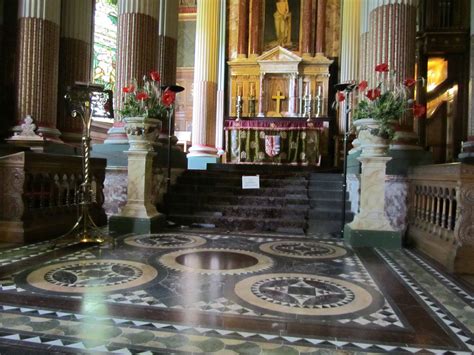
<point x="325" y="213"/>
<point x="286" y="198"/>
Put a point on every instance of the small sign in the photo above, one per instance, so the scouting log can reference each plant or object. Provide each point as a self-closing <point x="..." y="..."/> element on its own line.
<point x="251" y="182"/>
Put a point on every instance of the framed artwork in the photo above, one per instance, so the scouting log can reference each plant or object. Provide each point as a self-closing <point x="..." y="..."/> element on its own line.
<point x="282" y="24"/>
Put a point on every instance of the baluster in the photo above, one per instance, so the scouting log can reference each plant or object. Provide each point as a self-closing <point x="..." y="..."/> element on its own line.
<point x="454" y="210"/>
<point x="427" y="203"/>
<point x="414" y="211"/>
<point x="56" y="192"/>
<point x="72" y="191"/>
<point x="433" y="205"/>
<point x="439" y="211"/>
<point x="450" y="212"/>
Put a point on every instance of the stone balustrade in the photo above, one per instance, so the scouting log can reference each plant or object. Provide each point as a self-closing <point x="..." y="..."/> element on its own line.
<point x="40" y="195"/>
<point x="441" y="214"/>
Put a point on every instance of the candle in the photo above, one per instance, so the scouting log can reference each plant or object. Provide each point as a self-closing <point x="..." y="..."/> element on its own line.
<point x="307" y="89"/>
<point x="252" y="89"/>
<point x="239" y="90"/>
<point x="320" y="89"/>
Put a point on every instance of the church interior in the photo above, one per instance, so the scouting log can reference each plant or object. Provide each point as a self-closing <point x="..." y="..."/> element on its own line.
<point x="236" y="176"/>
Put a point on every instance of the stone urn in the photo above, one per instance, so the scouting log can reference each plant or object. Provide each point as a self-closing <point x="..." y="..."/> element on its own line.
<point x="371" y="144"/>
<point x="142" y="132"/>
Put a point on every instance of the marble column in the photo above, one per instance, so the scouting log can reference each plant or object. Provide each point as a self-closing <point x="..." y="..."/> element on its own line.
<point x="203" y="148"/>
<point x="349" y="52"/>
<point x="256" y="24"/>
<point x="320" y="26"/>
<point x="371" y="226"/>
<point x="261" y="95"/>
<point x="137" y="36"/>
<point x="467" y="154"/>
<point x="243" y="40"/>
<point x="37" y="64"/>
<point x="167" y="41"/>
<point x="221" y="82"/>
<point x="363" y="39"/>
<point x="74" y="59"/>
<point x="306" y="33"/>
<point x="293" y="99"/>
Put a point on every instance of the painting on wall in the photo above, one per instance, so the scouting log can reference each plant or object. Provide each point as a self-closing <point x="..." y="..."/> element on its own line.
<point x="282" y="24"/>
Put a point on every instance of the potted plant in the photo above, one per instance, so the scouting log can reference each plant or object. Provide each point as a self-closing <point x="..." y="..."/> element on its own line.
<point x="143" y="110"/>
<point x="378" y="109"/>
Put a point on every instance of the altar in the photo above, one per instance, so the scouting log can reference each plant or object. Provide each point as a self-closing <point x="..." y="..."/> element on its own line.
<point x="292" y="141"/>
<point x="279" y="101"/>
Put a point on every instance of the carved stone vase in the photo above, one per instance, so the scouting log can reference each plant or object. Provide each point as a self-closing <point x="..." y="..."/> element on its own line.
<point x="371" y="144"/>
<point x="142" y="132"/>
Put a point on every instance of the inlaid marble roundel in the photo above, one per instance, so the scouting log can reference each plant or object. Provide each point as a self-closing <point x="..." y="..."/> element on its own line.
<point x="216" y="261"/>
<point x="165" y="241"/>
<point x="303" y="294"/>
<point x="304" y="249"/>
<point x="91" y="276"/>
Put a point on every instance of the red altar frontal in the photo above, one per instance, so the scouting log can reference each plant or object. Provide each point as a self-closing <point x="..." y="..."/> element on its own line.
<point x="292" y="141"/>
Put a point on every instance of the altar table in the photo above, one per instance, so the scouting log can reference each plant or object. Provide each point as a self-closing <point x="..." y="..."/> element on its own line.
<point x="275" y="141"/>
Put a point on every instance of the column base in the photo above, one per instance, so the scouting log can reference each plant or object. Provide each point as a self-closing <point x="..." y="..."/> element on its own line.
<point x="124" y="225"/>
<point x="357" y="238"/>
<point x="200" y="162"/>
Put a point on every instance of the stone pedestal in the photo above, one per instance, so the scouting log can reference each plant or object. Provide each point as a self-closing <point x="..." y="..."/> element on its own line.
<point x="139" y="214"/>
<point x="371" y="227"/>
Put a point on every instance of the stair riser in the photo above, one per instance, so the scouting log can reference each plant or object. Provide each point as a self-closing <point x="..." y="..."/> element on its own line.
<point x="239" y="212"/>
<point x="240" y="200"/>
<point x="281" y="192"/>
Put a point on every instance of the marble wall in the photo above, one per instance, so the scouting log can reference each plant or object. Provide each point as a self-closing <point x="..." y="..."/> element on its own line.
<point x="396" y="198"/>
<point x="115" y="187"/>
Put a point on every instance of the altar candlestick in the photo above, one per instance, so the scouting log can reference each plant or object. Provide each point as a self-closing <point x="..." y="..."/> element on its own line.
<point x="239" y="90"/>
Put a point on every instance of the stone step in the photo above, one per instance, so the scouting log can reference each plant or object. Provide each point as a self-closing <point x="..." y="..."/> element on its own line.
<point x="335" y="195"/>
<point x="240" y="223"/>
<point x="323" y="226"/>
<point x="328" y="205"/>
<point x="217" y="198"/>
<point x="248" y="211"/>
<point x="237" y="190"/>
<point x="325" y="185"/>
<point x="237" y="181"/>
<point x="326" y="177"/>
<point x="314" y="214"/>
<point x="265" y="168"/>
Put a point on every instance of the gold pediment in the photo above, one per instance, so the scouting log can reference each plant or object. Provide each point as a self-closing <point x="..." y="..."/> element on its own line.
<point x="279" y="54"/>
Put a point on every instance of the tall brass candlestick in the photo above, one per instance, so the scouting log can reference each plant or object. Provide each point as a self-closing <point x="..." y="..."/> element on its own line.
<point x="79" y="100"/>
<point x="238" y="107"/>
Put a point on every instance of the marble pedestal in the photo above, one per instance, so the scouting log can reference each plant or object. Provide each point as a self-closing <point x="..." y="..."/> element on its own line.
<point x="371" y="227"/>
<point x="139" y="215"/>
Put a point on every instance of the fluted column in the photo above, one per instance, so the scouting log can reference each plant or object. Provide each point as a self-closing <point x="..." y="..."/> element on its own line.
<point x="221" y="82"/>
<point x="363" y="40"/>
<point x="467" y="153"/>
<point x="392" y="36"/>
<point x="74" y="59"/>
<point x="205" y="84"/>
<point x="137" y="37"/>
<point x="320" y="26"/>
<point x="243" y="41"/>
<point x="256" y="25"/>
<point x="167" y="41"/>
<point x="306" y="33"/>
<point x="37" y="64"/>
<point x="349" y="50"/>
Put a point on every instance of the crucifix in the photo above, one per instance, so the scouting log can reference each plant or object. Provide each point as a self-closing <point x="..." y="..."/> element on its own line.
<point x="278" y="97"/>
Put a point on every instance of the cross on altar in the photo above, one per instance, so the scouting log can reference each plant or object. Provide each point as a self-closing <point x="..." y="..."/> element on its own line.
<point x="278" y="97"/>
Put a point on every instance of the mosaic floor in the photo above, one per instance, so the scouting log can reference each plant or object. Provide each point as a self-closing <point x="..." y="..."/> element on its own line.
<point x="195" y="292"/>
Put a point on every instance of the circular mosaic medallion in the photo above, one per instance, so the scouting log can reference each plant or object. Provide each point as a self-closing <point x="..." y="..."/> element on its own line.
<point x="303" y="294"/>
<point x="216" y="261"/>
<point x="165" y="241"/>
<point x="304" y="249"/>
<point x="91" y="276"/>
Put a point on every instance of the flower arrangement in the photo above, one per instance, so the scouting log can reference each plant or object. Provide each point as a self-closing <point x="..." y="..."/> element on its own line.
<point x="147" y="101"/>
<point x="386" y="102"/>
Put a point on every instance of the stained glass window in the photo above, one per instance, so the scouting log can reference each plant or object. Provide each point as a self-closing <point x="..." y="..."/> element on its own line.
<point x="105" y="43"/>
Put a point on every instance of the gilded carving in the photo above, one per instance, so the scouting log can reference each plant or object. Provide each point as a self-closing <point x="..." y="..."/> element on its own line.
<point x="464" y="231"/>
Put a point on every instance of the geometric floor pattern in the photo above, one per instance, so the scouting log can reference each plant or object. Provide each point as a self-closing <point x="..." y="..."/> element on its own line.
<point x="252" y="294"/>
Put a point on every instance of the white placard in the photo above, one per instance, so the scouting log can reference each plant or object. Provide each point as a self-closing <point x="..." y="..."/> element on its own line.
<point x="251" y="182"/>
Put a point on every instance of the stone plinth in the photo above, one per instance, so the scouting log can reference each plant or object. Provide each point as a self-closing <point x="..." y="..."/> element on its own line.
<point x="371" y="226"/>
<point x="139" y="215"/>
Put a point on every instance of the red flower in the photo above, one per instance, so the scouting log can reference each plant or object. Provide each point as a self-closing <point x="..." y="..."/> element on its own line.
<point x="362" y="85"/>
<point x="142" y="95"/>
<point x="340" y="96"/>
<point x="128" y="89"/>
<point x="409" y="82"/>
<point x="381" y="68"/>
<point x="168" y="97"/>
<point x="372" y="94"/>
<point x="419" y="110"/>
<point x="155" y="76"/>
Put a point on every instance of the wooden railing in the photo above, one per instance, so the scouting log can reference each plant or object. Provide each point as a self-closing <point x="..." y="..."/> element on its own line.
<point x="40" y="195"/>
<point x="441" y="214"/>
